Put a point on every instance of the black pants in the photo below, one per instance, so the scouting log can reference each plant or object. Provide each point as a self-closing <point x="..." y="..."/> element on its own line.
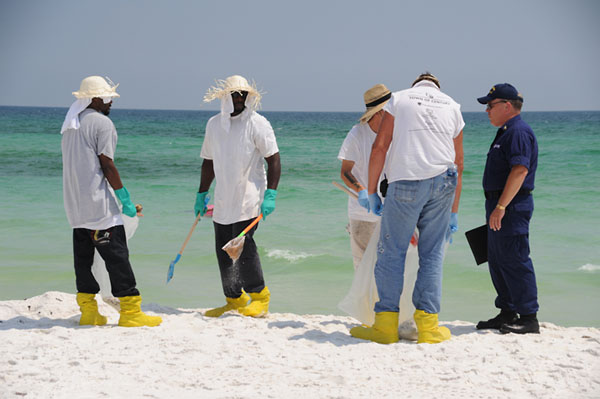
<point x="112" y="247"/>
<point x="512" y="273"/>
<point x="510" y="266"/>
<point x="246" y="273"/>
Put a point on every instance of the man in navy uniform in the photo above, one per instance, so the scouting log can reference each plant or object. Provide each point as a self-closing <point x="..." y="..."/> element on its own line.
<point x="508" y="181"/>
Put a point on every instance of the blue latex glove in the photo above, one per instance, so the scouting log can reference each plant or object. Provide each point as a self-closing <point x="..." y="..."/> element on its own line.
<point x="363" y="199"/>
<point x="268" y="205"/>
<point x="201" y="202"/>
<point x="453" y="226"/>
<point x="375" y="204"/>
<point x="453" y="222"/>
<point x="128" y="207"/>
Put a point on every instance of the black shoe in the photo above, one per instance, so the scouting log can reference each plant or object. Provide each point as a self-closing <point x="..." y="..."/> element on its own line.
<point x="505" y="317"/>
<point x="527" y="324"/>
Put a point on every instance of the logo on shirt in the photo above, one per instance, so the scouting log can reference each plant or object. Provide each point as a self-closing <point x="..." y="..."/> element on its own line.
<point x="429" y="100"/>
<point x="101" y="237"/>
<point x="496" y="146"/>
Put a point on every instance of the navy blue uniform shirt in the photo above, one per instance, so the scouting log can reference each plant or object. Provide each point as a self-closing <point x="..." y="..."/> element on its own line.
<point x="515" y="144"/>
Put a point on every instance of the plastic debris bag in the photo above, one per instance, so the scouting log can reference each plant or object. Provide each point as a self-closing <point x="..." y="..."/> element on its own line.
<point x="362" y="296"/>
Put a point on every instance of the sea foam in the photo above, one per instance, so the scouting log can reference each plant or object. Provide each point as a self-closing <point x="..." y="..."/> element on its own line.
<point x="589" y="268"/>
<point x="286" y="254"/>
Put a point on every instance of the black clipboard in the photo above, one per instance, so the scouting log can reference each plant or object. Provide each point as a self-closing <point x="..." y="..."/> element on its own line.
<point x="477" y="239"/>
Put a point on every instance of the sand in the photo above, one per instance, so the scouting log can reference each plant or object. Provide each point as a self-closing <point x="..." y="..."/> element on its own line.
<point x="45" y="354"/>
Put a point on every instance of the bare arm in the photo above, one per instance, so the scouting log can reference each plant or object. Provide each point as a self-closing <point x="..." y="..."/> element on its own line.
<point x="110" y="172"/>
<point x="511" y="188"/>
<point x="459" y="161"/>
<point x="273" y="171"/>
<point x="379" y="151"/>
<point x="348" y="177"/>
<point x="207" y="175"/>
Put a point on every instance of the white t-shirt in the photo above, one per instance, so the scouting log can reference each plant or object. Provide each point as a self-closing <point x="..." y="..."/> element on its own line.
<point x="89" y="200"/>
<point x="238" y="161"/>
<point x="357" y="148"/>
<point x="426" y="122"/>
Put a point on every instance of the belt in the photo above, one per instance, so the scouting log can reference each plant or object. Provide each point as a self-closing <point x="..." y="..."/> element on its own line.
<point x="496" y="194"/>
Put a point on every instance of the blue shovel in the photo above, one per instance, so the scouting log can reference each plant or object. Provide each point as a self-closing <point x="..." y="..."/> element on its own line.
<point x="172" y="265"/>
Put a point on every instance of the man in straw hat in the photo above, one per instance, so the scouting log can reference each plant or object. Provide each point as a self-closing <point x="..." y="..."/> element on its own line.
<point x="354" y="154"/>
<point x="90" y="182"/>
<point x="236" y="144"/>
<point x="420" y="141"/>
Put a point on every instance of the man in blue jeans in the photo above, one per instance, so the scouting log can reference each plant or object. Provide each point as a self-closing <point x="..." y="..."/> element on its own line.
<point x="420" y="142"/>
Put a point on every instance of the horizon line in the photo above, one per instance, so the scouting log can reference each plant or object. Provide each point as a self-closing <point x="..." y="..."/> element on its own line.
<point x="263" y="110"/>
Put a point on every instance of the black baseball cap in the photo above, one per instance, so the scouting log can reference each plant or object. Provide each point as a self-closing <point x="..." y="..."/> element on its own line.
<point x="505" y="91"/>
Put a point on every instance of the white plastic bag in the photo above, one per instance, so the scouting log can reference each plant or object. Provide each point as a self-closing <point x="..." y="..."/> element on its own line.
<point x="99" y="267"/>
<point x="361" y="299"/>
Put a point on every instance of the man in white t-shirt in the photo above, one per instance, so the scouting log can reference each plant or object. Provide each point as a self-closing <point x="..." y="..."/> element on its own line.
<point x="354" y="154"/>
<point x="420" y="143"/>
<point x="236" y="144"/>
<point x="90" y="182"/>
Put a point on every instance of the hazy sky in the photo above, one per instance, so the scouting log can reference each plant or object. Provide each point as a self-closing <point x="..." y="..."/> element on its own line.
<point x="306" y="55"/>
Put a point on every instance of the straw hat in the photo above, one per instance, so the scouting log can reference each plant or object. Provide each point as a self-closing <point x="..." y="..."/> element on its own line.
<point x="232" y="84"/>
<point x="375" y="99"/>
<point x="96" y="86"/>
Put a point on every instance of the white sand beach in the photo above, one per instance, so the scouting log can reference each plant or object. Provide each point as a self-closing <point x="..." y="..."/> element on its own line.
<point x="46" y="354"/>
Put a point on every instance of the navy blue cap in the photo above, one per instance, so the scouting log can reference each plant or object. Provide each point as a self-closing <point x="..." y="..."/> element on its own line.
<point x="504" y="91"/>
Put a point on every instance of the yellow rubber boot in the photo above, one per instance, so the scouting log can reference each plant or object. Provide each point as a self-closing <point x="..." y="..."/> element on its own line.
<point x="259" y="305"/>
<point x="232" y="304"/>
<point x="89" y="310"/>
<point x="429" y="330"/>
<point x="132" y="315"/>
<point x="384" y="331"/>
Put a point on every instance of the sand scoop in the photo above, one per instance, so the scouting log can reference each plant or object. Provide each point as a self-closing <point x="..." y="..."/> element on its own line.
<point x="235" y="246"/>
<point x="172" y="265"/>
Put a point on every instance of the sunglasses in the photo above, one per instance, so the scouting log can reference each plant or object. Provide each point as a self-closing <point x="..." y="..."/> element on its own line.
<point x="491" y="105"/>
<point x="243" y="94"/>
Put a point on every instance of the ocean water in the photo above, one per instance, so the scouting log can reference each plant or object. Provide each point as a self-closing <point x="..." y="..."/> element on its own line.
<point x="303" y="245"/>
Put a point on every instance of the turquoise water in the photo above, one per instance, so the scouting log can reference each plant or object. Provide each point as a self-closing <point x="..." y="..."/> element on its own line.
<point x="303" y="245"/>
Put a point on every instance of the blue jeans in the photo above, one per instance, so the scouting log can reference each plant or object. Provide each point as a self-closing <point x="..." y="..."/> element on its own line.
<point x="425" y="204"/>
